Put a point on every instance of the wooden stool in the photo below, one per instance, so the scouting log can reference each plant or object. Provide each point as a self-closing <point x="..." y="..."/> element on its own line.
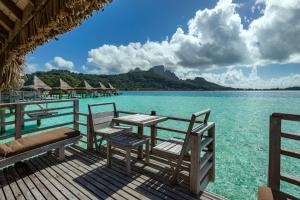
<point x="127" y="143"/>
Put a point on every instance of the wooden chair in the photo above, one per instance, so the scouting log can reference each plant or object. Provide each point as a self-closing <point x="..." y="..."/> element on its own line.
<point x="101" y="124"/>
<point x="176" y="150"/>
<point x="127" y="143"/>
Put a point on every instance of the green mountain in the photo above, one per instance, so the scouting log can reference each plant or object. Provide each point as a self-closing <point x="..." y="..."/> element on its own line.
<point x="156" y="78"/>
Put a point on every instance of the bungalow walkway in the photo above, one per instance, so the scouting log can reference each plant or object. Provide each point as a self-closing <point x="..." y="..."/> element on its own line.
<point x="84" y="175"/>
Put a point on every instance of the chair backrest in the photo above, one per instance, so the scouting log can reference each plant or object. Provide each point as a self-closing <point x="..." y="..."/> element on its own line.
<point x="102" y="119"/>
<point x="192" y="128"/>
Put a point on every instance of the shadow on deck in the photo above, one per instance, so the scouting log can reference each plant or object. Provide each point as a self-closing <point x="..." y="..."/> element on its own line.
<point x="84" y="175"/>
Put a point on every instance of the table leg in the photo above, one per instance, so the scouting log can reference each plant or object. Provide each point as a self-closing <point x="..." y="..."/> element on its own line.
<point x="140" y="135"/>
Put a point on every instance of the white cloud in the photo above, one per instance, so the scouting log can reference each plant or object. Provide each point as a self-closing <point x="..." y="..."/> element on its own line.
<point x="237" y="79"/>
<point x="215" y="38"/>
<point x="59" y="63"/>
<point x="30" y="68"/>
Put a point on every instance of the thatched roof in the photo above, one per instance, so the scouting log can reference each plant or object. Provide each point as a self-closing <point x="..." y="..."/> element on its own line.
<point x="111" y="87"/>
<point x="26" y="24"/>
<point x="84" y="85"/>
<point x="61" y="85"/>
<point x="36" y="84"/>
<point x="102" y="87"/>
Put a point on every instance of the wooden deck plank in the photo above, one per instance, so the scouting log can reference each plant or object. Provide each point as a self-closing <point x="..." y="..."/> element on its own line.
<point x="35" y="178"/>
<point x="61" y="180"/>
<point x="140" y="183"/>
<point x="5" y="186"/>
<point x="85" y="175"/>
<point x="127" y="183"/>
<point x="14" y="187"/>
<point x="158" y="171"/>
<point x="91" y="192"/>
<point x="29" y="183"/>
<point x="155" y="185"/>
<point x="61" y="188"/>
<point x="84" y="182"/>
<point x="99" y="183"/>
<point x="24" y="189"/>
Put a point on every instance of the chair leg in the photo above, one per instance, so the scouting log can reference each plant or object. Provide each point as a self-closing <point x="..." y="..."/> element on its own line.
<point x="128" y="159"/>
<point x="147" y="151"/>
<point x="108" y="154"/>
<point x="100" y="144"/>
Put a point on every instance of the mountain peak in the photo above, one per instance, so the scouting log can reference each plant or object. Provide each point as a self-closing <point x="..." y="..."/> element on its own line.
<point x="160" y="70"/>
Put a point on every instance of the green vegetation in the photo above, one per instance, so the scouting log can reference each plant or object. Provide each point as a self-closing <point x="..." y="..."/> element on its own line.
<point x="157" y="78"/>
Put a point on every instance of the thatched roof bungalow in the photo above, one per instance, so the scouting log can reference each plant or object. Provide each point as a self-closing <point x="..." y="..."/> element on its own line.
<point x="102" y="87"/>
<point x="35" y="83"/>
<point x="84" y="86"/>
<point x="111" y="87"/>
<point x="26" y="24"/>
<point x="62" y="86"/>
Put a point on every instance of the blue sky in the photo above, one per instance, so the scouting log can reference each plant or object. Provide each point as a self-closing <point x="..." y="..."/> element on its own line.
<point x="191" y="38"/>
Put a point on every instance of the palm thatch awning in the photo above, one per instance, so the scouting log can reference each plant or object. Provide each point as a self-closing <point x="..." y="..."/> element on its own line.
<point x="84" y="85"/>
<point x="26" y="24"/>
<point x="62" y="86"/>
<point x="36" y="83"/>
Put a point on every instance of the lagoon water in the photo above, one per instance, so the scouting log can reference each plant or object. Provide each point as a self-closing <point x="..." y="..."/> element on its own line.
<point x="242" y="130"/>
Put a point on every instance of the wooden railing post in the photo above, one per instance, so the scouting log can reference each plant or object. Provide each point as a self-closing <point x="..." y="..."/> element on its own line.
<point x="90" y="145"/>
<point x="18" y="120"/>
<point x="75" y="113"/>
<point x="153" y="133"/>
<point x="195" y="164"/>
<point x="274" y="153"/>
<point x="211" y="148"/>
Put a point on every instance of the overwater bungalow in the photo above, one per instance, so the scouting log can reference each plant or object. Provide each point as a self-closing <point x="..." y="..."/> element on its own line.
<point x="85" y="89"/>
<point x="61" y="88"/>
<point x="67" y="159"/>
<point x="103" y="89"/>
<point x="35" y="84"/>
<point x="112" y="89"/>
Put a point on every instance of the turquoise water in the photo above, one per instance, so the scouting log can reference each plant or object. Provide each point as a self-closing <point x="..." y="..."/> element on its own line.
<point x="242" y="125"/>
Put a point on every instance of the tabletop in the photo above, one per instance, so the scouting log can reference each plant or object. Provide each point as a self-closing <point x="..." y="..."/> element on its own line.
<point x="139" y="119"/>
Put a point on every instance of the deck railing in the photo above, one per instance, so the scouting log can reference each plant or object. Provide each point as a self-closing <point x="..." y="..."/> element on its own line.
<point x="276" y="151"/>
<point x="18" y="112"/>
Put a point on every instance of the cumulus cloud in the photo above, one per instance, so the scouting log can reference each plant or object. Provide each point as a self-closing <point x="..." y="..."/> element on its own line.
<point x="214" y="38"/>
<point x="30" y="68"/>
<point x="238" y="79"/>
<point x="59" y="63"/>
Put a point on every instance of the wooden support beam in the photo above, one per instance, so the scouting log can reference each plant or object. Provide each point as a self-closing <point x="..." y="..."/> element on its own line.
<point x="5" y="19"/>
<point x="13" y="8"/>
<point x="3" y="32"/>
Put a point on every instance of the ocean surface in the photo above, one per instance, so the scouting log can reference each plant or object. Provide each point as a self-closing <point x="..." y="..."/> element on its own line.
<point x="242" y="131"/>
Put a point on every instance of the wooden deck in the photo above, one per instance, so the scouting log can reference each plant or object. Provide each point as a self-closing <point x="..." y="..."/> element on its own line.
<point x="84" y="175"/>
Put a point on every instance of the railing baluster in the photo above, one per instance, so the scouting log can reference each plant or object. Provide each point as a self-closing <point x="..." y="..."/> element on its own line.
<point x="274" y="153"/>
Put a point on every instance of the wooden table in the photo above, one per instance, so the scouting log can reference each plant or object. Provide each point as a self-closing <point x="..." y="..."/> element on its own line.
<point x="140" y="120"/>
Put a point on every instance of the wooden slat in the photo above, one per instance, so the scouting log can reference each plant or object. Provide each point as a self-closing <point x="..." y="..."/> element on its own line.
<point x="13" y="8"/>
<point x="290" y="153"/>
<point x="290" y="179"/>
<point x="207" y="141"/>
<point x="207" y="156"/>
<point x="14" y="187"/>
<point x="290" y="136"/>
<point x="204" y="171"/>
<point x="103" y="114"/>
<point x="5" y="19"/>
<point x="6" y="189"/>
<point x="3" y="32"/>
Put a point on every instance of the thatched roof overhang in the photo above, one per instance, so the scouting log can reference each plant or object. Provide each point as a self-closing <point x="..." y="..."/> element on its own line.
<point x="26" y="24"/>
<point x="62" y="86"/>
<point x="84" y="85"/>
<point x="36" y="83"/>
